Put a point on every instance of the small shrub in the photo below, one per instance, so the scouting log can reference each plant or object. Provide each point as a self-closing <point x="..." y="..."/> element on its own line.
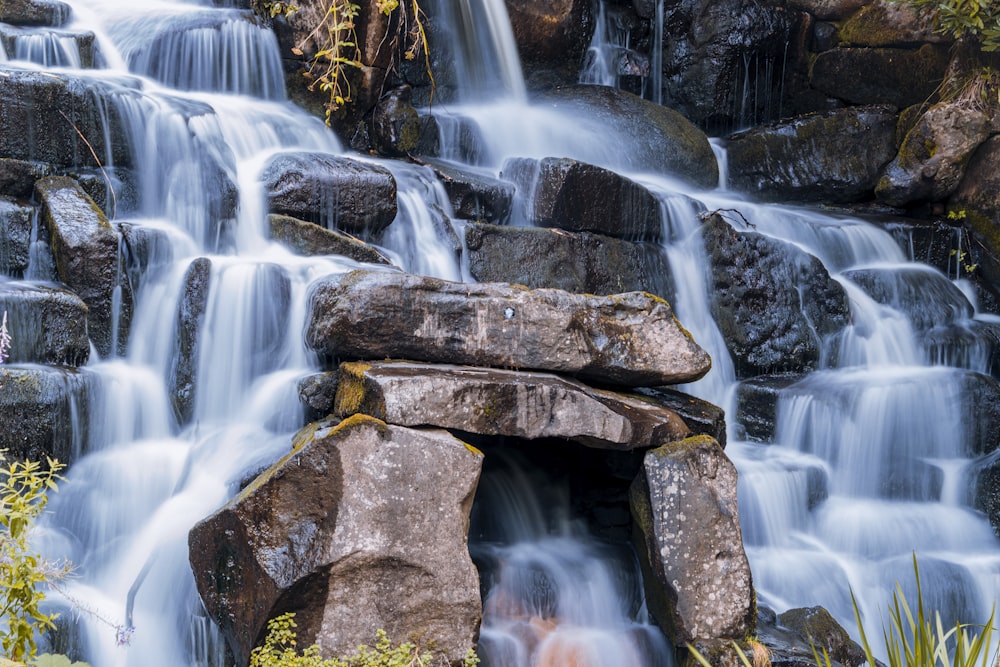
<point x="977" y="21"/>
<point x="279" y="650"/>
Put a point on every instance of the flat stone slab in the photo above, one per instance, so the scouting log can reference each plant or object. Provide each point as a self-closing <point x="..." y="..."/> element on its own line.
<point x="490" y="401"/>
<point x="630" y="339"/>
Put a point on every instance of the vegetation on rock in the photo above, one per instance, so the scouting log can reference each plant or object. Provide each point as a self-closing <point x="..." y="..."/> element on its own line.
<point x="977" y="21"/>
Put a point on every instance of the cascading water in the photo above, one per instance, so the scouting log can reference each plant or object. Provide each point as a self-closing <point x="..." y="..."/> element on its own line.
<point x="866" y="465"/>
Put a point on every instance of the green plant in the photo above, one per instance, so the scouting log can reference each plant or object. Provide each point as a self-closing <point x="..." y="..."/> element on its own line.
<point x="279" y="650"/>
<point x="977" y="21"/>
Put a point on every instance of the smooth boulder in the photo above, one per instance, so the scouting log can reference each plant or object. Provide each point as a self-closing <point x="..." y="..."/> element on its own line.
<point x="47" y="324"/>
<point x="490" y="401"/>
<point x="87" y="254"/>
<point x="687" y="533"/>
<point x="362" y="526"/>
<point x="630" y="339"/>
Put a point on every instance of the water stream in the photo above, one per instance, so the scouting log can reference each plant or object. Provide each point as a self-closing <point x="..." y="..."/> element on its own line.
<point x="867" y="464"/>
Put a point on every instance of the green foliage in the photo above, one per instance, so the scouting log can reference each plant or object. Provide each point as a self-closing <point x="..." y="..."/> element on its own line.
<point x="50" y="660"/>
<point x="279" y="650"/>
<point x="913" y="638"/>
<point x="24" y="488"/>
<point x="971" y="20"/>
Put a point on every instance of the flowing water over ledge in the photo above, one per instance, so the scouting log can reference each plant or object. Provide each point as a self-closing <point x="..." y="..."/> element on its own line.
<point x="867" y="465"/>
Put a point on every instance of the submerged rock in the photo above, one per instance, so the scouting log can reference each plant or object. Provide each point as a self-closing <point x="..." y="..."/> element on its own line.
<point x="308" y="238"/>
<point x="660" y="140"/>
<point x="42" y="411"/>
<point x="628" y="339"/>
<point x="583" y="263"/>
<point x="834" y="156"/>
<point x="47" y="324"/>
<point x="505" y="403"/>
<point x="362" y="526"/>
<point x="87" y="254"/>
<point x="335" y="192"/>
<point x="698" y="581"/>
<point x="774" y="303"/>
<point x="581" y="197"/>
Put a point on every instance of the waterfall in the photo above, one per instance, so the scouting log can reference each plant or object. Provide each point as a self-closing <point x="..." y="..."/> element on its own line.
<point x="865" y="466"/>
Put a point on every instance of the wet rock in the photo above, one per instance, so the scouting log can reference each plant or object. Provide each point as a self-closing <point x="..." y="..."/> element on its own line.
<point x="45" y="115"/>
<point x="829" y="9"/>
<point x="308" y="238"/>
<point x="900" y="77"/>
<point x="115" y="190"/>
<point x="886" y="23"/>
<point x="980" y="404"/>
<point x="34" y="12"/>
<point x="15" y="237"/>
<point x="774" y="303"/>
<point x="757" y="406"/>
<point x="317" y="394"/>
<point x="395" y="125"/>
<point x="687" y="533"/>
<point x="336" y="192"/>
<point x="792" y="645"/>
<point x="475" y="196"/>
<point x="660" y="140"/>
<point x="87" y="254"/>
<point x="922" y="294"/>
<point x="17" y="177"/>
<point x="628" y="339"/>
<point x="977" y="203"/>
<point x="47" y="324"/>
<point x="362" y="526"/>
<point x="973" y="344"/>
<point x="702" y="417"/>
<point x="505" y="403"/>
<point x="51" y="48"/>
<point x="551" y="36"/>
<point x="580" y="197"/>
<point x="834" y="156"/>
<point x="933" y="156"/>
<point x="582" y="263"/>
<point x="190" y="315"/>
<point x="42" y="408"/>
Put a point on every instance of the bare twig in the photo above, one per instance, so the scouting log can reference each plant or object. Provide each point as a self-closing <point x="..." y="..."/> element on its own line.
<point x="107" y="179"/>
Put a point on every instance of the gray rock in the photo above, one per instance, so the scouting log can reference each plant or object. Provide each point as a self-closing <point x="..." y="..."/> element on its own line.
<point x="900" y="77"/>
<point x="475" y="196"/>
<point x="774" y="303"/>
<point x="583" y="263"/>
<point x="308" y="238"/>
<point x="933" y="156"/>
<point x="627" y="339"/>
<point x="48" y="325"/>
<point x="886" y="23"/>
<point x="923" y="295"/>
<point x="34" y="12"/>
<point x="505" y="403"/>
<point x="317" y="394"/>
<point x="580" y="197"/>
<point x="335" y="192"/>
<point x="17" y="177"/>
<point x="87" y="253"/>
<point x="702" y="417"/>
<point x="15" y="237"/>
<point x="362" y="526"/>
<point x="43" y="411"/>
<point x="660" y="140"/>
<point x="190" y="315"/>
<point x="688" y="539"/>
<point x="551" y="36"/>
<point x="834" y="156"/>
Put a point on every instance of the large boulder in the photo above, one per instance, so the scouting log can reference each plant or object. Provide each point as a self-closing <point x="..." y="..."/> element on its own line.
<point x="551" y="36"/>
<point x="627" y="339"/>
<point x="34" y="12"/>
<point x="580" y="197"/>
<point x="336" y="192"/>
<point x="933" y="156"/>
<point x="308" y="238"/>
<point x="48" y="325"/>
<point x="43" y="410"/>
<point x="87" y="254"/>
<point x="774" y="302"/>
<point x="900" y="77"/>
<point x="660" y="140"/>
<point x="834" y="156"/>
<point x="584" y="263"/>
<point x="52" y="118"/>
<point x="362" y="526"/>
<point x="15" y="237"/>
<point x="491" y="401"/>
<point x="687" y="534"/>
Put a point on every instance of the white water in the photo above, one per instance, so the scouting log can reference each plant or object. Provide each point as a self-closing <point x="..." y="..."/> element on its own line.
<point x="873" y="429"/>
